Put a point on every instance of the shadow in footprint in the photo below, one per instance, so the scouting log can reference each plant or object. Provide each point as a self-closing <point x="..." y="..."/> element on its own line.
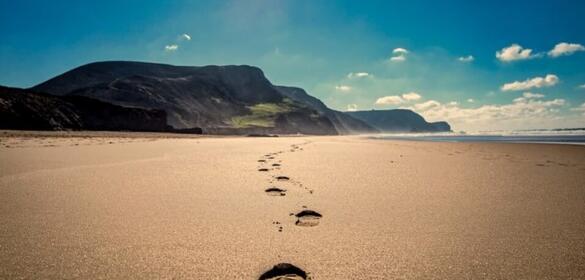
<point x="308" y="218"/>
<point x="263" y="169"/>
<point x="282" y="178"/>
<point x="284" y="271"/>
<point x="276" y="164"/>
<point x="274" y="191"/>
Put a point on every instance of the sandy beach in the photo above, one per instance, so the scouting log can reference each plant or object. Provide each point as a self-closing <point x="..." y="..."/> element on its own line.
<point x="115" y="206"/>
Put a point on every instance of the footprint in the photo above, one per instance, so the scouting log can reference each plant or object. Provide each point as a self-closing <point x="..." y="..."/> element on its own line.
<point x="276" y="164"/>
<point x="274" y="191"/>
<point x="284" y="271"/>
<point x="277" y="223"/>
<point x="263" y="169"/>
<point x="282" y="178"/>
<point x="261" y="160"/>
<point x="308" y="218"/>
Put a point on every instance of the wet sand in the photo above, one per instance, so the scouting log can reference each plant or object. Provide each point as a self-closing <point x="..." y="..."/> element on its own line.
<point x="103" y="206"/>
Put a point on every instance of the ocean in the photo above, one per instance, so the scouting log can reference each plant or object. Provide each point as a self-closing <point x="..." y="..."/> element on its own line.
<point x="554" y="136"/>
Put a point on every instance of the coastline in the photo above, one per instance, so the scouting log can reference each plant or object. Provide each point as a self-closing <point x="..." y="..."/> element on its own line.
<point x="194" y="207"/>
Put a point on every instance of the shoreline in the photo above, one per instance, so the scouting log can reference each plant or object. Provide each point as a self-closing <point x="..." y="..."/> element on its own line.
<point x="423" y="137"/>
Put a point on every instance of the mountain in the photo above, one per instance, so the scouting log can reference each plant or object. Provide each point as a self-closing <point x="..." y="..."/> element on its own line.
<point x="213" y="99"/>
<point x="399" y="120"/>
<point x="23" y="109"/>
<point x="220" y="99"/>
<point x="345" y="124"/>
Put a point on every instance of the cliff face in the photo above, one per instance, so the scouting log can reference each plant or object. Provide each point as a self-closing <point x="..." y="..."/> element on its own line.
<point x="399" y="120"/>
<point x="22" y="109"/>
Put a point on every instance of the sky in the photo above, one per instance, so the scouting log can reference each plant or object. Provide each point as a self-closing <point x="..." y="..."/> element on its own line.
<point x="480" y="65"/>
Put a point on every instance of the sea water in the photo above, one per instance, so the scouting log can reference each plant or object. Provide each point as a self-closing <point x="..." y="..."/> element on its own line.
<point x="552" y="136"/>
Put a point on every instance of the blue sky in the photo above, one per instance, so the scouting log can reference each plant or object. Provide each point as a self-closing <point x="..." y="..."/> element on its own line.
<point x="438" y="59"/>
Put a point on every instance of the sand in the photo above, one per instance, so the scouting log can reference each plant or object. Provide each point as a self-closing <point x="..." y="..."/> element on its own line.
<point x="117" y="206"/>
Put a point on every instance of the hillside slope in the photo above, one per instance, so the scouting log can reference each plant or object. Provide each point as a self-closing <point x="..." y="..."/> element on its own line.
<point x="399" y="120"/>
<point x="344" y="123"/>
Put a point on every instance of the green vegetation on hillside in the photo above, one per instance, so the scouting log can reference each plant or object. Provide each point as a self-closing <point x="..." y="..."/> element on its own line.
<point x="262" y="114"/>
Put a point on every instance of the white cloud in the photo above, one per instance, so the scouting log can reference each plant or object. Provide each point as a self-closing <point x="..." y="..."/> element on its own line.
<point x="470" y="100"/>
<point x="389" y="100"/>
<point x="426" y="105"/>
<point x="398" y="58"/>
<point x="185" y="36"/>
<point x="582" y="86"/>
<point x="398" y="99"/>
<point x="468" y="58"/>
<point x="352" y="75"/>
<point x="171" y="48"/>
<point x="400" y="51"/>
<point x="515" y="52"/>
<point x="352" y="107"/>
<point x="565" y="49"/>
<point x="521" y="113"/>
<point x="399" y="54"/>
<point x="343" y="88"/>
<point x="537" y="82"/>
<point x="411" y="96"/>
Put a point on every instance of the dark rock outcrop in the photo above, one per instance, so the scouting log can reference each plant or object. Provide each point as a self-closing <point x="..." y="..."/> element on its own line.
<point x="26" y="110"/>
<point x="399" y="120"/>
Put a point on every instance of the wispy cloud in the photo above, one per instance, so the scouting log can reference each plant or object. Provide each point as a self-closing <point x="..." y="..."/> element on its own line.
<point x="468" y="58"/>
<point x="178" y="41"/>
<point x="343" y="88"/>
<point x="537" y="82"/>
<point x="562" y="49"/>
<point x="171" y="48"/>
<point x="582" y="86"/>
<point x="185" y="36"/>
<point x="398" y="58"/>
<point x="532" y="95"/>
<point x="515" y="52"/>
<point x="528" y="95"/>
<point x="353" y="75"/>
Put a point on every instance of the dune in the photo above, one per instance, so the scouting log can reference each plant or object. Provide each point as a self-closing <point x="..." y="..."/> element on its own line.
<point x="140" y="205"/>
